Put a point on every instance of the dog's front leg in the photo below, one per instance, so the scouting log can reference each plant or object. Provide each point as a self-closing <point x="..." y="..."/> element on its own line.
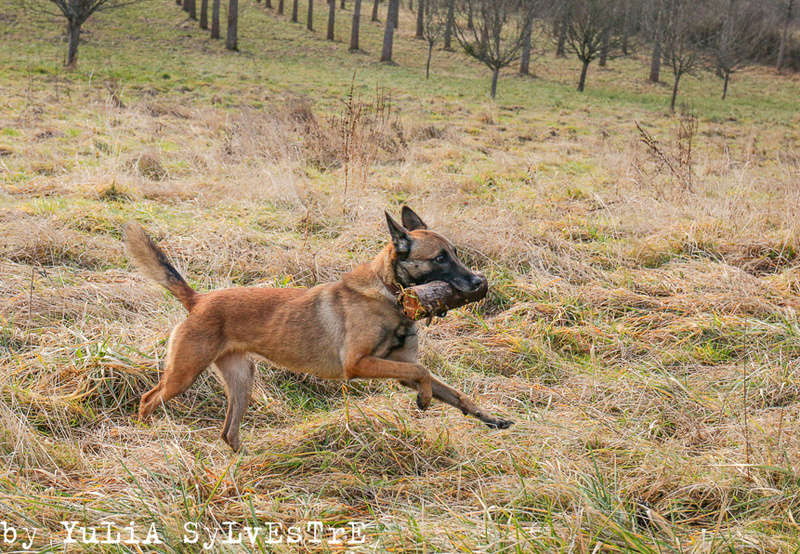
<point x="370" y="367"/>
<point x="456" y="398"/>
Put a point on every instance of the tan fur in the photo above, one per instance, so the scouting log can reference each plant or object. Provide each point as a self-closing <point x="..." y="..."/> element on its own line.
<point x="352" y="328"/>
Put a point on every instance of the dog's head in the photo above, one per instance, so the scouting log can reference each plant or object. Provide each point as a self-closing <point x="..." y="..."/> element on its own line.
<point x="424" y="256"/>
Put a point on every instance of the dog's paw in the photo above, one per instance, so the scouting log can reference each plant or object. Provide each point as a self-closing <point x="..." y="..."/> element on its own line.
<point x="497" y="423"/>
<point x="423" y="403"/>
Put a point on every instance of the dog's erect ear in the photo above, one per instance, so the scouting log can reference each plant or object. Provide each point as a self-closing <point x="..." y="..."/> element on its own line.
<point x="411" y="220"/>
<point x="400" y="237"/>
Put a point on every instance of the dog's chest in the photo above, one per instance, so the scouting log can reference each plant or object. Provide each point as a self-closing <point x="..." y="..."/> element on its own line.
<point x="395" y="338"/>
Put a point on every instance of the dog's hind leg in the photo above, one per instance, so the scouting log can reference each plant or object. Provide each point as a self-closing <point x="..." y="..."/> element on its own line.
<point x="237" y="372"/>
<point x="458" y="399"/>
<point x="189" y="351"/>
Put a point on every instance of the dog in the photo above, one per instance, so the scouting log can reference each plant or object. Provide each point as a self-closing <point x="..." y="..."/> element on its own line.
<point x="349" y="329"/>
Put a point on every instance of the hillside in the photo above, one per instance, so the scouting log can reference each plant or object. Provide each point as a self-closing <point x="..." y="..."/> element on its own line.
<point x="642" y="326"/>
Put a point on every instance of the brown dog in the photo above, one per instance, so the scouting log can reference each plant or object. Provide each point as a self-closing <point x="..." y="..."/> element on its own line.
<point x="353" y="328"/>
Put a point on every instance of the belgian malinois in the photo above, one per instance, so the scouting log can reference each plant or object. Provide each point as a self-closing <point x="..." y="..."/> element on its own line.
<point x="352" y="328"/>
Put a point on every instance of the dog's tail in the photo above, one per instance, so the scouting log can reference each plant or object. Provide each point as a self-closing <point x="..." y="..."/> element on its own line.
<point x="152" y="261"/>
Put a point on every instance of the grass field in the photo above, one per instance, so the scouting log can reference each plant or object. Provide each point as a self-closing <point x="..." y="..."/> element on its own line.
<point x="642" y="328"/>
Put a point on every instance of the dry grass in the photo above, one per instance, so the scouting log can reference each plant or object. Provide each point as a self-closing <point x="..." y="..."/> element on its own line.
<point x="642" y="333"/>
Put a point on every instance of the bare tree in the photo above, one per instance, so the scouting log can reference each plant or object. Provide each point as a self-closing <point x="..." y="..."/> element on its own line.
<point x="420" y="19"/>
<point x="435" y="21"/>
<point x="280" y="7"/>
<point x="388" y="33"/>
<point x="375" y="10"/>
<point x="331" y="18"/>
<point x="560" y="20"/>
<point x="231" y="38"/>
<point x="310" y="16"/>
<point x="204" y="14"/>
<point x="191" y="8"/>
<point x="294" y="11"/>
<point x="682" y="46"/>
<point x="589" y="21"/>
<point x="76" y="12"/>
<point x="497" y="34"/>
<point x="354" y="28"/>
<point x="787" y="18"/>
<point x="215" y="18"/>
<point x="740" y="32"/>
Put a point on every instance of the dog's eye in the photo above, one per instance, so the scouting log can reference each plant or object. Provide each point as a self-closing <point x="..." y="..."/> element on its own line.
<point x="440" y="259"/>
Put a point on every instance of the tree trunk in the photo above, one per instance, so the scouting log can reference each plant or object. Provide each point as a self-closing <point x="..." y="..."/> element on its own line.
<point x="342" y="6"/>
<point x="582" y="82"/>
<point x="655" y="58"/>
<point x="495" y="75"/>
<point x="215" y="19"/>
<point x="331" y="18"/>
<point x="375" y="10"/>
<point x="420" y="19"/>
<point x="355" y="25"/>
<point x="784" y="34"/>
<point x="268" y="4"/>
<point x="396" y="13"/>
<point x="280" y="7"/>
<point x="192" y="8"/>
<point x="725" y="86"/>
<point x="525" y="58"/>
<point x="178" y="2"/>
<point x="430" y="49"/>
<point x="674" y="93"/>
<point x="562" y="38"/>
<point x="388" y="33"/>
<point x="604" y="46"/>
<point x="470" y="23"/>
<point x="626" y="29"/>
<point x="310" y="16"/>
<point x="186" y="5"/>
<point x="655" y="61"/>
<point x="294" y="11"/>
<point x="231" y="39"/>
<point x="74" y="31"/>
<point x="204" y="14"/>
<point x="451" y="18"/>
